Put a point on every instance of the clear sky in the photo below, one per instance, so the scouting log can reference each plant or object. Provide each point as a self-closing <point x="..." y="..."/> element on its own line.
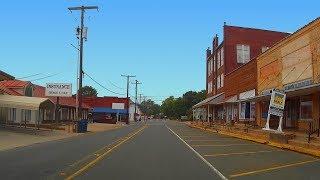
<point x="162" y="42"/>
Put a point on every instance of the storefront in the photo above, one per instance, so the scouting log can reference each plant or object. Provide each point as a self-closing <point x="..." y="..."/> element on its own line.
<point x="210" y="109"/>
<point x="23" y="110"/>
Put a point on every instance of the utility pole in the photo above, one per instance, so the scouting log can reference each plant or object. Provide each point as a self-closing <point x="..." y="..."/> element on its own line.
<point x="140" y="98"/>
<point x="135" y="103"/>
<point x="82" y="9"/>
<point x="128" y="81"/>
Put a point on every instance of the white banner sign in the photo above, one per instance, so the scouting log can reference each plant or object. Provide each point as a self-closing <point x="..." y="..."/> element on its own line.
<point x="59" y="89"/>
<point x="117" y="105"/>
<point x="277" y="102"/>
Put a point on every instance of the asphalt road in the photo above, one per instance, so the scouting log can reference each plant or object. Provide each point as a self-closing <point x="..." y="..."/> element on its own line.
<point x="155" y="150"/>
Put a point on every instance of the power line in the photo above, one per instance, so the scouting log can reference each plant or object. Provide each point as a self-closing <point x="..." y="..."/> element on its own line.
<point x="114" y="85"/>
<point x="20" y="78"/>
<point x="101" y="84"/>
<point x="45" y="77"/>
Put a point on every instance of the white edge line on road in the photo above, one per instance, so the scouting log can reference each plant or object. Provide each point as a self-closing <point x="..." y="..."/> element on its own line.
<point x="199" y="155"/>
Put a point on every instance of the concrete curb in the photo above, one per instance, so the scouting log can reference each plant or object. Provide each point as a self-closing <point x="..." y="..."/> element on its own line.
<point x="263" y="141"/>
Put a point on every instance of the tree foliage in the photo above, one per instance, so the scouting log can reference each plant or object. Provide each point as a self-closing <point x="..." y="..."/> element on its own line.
<point x="182" y="106"/>
<point x="89" y="91"/>
<point x="149" y="107"/>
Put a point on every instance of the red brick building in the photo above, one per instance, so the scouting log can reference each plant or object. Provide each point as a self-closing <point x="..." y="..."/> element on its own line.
<point x="5" y="76"/>
<point x="238" y="47"/>
<point x="108" y="109"/>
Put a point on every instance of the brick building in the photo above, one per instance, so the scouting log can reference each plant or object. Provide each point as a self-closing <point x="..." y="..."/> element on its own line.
<point x="108" y="109"/>
<point x="292" y="65"/>
<point x="5" y="76"/>
<point x="238" y="47"/>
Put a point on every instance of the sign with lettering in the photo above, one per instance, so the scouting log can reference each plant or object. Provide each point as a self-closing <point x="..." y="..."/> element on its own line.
<point x="277" y="102"/>
<point x="297" y="85"/>
<point x="59" y="89"/>
<point x="117" y="105"/>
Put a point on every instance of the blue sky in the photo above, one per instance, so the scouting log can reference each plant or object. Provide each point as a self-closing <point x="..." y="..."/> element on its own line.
<point x="161" y="42"/>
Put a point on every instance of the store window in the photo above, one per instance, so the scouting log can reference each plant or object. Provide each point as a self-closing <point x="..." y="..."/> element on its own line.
<point x="26" y="115"/>
<point x="12" y="114"/>
<point x="264" y="109"/>
<point x="305" y="108"/>
<point x="247" y="110"/>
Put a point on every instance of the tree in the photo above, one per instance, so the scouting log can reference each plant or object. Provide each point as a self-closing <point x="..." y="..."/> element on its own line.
<point x="149" y="107"/>
<point x="182" y="106"/>
<point x="89" y="91"/>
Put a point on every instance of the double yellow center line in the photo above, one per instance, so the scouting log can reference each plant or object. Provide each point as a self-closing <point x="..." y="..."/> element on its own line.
<point x="100" y="157"/>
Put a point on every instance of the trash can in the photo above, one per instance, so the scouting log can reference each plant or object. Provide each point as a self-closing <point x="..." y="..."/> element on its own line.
<point x="79" y="127"/>
<point x="84" y="125"/>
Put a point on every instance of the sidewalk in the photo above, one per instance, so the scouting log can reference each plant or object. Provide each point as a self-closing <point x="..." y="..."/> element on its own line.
<point x="14" y="137"/>
<point x="260" y="136"/>
<point x="19" y="137"/>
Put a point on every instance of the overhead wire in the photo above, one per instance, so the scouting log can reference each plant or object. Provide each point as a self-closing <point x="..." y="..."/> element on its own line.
<point x="25" y="77"/>
<point x="102" y="85"/>
<point x="45" y="77"/>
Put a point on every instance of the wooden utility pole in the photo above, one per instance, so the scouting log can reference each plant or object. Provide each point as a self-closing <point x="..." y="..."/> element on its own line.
<point x="128" y="81"/>
<point x="136" y="98"/>
<point x="82" y="9"/>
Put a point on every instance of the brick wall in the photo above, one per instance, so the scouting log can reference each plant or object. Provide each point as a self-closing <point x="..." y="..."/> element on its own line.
<point x="242" y="79"/>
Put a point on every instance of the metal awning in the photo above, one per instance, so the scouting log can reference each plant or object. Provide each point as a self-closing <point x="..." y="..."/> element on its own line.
<point x="23" y="102"/>
<point x="211" y="100"/>
<point x="256" y="98"/>
<point x="289" y="93"/>
<point x="303" y="90"/>
<point x="232" y="99"/>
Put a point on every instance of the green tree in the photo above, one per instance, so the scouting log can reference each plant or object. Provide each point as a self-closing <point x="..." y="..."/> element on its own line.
<point x="182" y="106"/>
<point x="149" y="107"/>
<point x="89" y="91"/>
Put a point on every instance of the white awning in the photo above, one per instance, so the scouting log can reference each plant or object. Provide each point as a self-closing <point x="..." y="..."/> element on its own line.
<point x="232" y="99"/>
<point x="210" y="100"/>
<point x="23" y="102"/>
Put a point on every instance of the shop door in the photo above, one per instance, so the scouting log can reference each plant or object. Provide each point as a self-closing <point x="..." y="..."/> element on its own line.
<point x="229" y="113"/>
<point x="291" y="113"/>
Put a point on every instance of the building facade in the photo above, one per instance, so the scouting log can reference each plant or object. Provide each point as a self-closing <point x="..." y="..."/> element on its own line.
<point x="238" y="47"/>
<point x="292" y="65"/>
<point x="108" y="109"/>
<point x="241" y="84"/>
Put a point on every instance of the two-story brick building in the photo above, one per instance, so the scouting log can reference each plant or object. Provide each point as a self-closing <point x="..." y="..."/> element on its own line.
<point x="238" y="47"/>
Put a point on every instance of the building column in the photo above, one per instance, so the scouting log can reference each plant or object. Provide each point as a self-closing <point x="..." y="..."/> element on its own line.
<point x="208" y="112"/>
<point x="315" y="106"/>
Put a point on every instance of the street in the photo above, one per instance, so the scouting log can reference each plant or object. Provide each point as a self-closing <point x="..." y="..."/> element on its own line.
<point x="157" y="149"/>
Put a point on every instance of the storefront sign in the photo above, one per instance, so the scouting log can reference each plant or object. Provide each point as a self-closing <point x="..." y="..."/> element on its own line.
<point x="297" y="85"/>
<point x="277" y="102"/>
<point x="276" y="107"/>
<point x="59" y="89"/>
<point x="117" y="105"/>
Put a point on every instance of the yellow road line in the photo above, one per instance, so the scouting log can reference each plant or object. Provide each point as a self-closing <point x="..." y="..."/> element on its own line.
<point x="240" y="153"/>
<point x="208" y="140"/>
<point x="84" y="158"/>
<point x="218" y="145"/>
<point x="192" y="136"/>
<point x="272" y="168"/>
<point x="92" y="163"/>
